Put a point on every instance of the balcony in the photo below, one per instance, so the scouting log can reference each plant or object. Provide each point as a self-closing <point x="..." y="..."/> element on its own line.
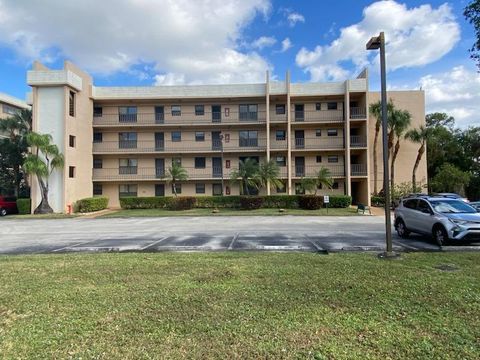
<point x="311" y="171"/>
<point x="318" y="143"/>
<point x="358" y="113"/>
<point x="179" y="119"/>
<point x="358" y="169"/>
<point x="157" y="174"/>
<point x="358" y="141"/>
<point x="325" y="116"/>
<point x="162" y="146"/>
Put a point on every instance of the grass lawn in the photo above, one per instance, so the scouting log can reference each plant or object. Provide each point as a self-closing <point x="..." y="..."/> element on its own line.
<point x="239" y="305"/>
<point x="229" y="212"/>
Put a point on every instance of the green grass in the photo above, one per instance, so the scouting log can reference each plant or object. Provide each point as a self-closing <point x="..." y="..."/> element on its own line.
<point x="41" y="216"/>
<point x="229" y="212"/>
<point x="239" y="305"/>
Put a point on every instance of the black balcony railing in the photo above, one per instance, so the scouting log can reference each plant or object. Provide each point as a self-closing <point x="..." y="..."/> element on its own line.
<point x="216" y="144"/>
<point x="127" y="144"/>
<point x="127" y="118"/>
<point x="358" y="141"/>
<point x="248" y="143"/>
<point x="248" y="115"/>
<point x="216" y="171"/>
<point x="300" y="143"/>
<point x="127" y="170"/>
<point x="358" y="113"/>
<point x="299" y="170"/>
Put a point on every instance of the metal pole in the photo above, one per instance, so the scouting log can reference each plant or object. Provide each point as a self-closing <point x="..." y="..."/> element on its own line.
<point x="386" y="175"/>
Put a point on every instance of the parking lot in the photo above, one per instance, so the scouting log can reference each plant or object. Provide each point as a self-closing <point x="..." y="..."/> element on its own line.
<point x="244" y="233"/>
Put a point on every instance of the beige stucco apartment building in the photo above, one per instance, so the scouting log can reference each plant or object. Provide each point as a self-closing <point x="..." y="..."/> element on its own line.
<point x="9" y="106"/>
<point x="120" y="141"/>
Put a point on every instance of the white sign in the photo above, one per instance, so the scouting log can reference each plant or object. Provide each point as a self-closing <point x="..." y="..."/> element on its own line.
<point x="326" y="199"/>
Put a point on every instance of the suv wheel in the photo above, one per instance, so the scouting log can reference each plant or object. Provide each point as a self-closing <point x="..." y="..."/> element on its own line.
<point x="440" y="235"/>
<point x="3" y="212"/>
<point x="402" y="229"/>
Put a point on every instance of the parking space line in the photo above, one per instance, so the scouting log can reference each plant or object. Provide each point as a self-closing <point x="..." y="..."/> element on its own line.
<point x="318" y="247"/>
<point x="235" y="237"/>
<point x="152" y="244"/>
<point x="76" y="244"/>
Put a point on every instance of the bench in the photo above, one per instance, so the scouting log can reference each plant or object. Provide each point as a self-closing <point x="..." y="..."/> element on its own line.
<point x="363" y="208"/>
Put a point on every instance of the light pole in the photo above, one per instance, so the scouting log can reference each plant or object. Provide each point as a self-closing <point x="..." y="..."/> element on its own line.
<point x="378" y="42"/>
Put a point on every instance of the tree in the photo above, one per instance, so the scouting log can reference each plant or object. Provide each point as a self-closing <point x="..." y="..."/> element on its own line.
<point x="376" y="110"/>
<point x="14" y="149"/>
<point x="399" y="123"/>
<point x="418" y="136"/>
<point x="322" y="179"/>
<point x="175" y="174"/>
<point x="449" y="178"/>
<point x="268" y="173"/>
<point x="439" y="119"/>
<point x="246" y="175"/>
<point x="43" y="160"/>
<point x="472" y="14"/>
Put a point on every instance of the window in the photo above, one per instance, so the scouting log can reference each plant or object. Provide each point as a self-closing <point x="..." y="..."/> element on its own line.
<point x="71" y="103"/>
<point x="199" y="136"/>
<point x="97" y="163"/>
<point x="127" y="140"/>
<point x="318" y="106"/>
<point x="127" y="166"/>
<point x="332" y="106"/>
<point x="333" y="158"/>
<point x="319" y="158"/>
<point x="127" y="114"/>
<point x="71" y="141"/>
<point x="159" y="114"/>
<point x="176" y="136"/>
<point x="159" y="189"/>
<point x="199" y="110"/>
<point x="97" y="189"/>
<point x="97" y="111"/>
<point x="199" y="163"/>
<point x="410" y="204"/>
<point x="299" y="114"/>
<point x="248" y="138"/>
<point x="10" y="110"/>
<point x="280" y="109"/>
<point x="177" y="160"/>
<point x="71" y="171"/>
<point x="127" y="190"/>
<point x="176" y="110"/>
<point x="280" y="135"/>
<point x="335" y="185"/>
<point x="177" y="187"/>
<point x="216" y="189"/>
<point x="248" y="112"/>
<point x="423" y="207"/>
<point x="318" y="132"/>
<point x="200" y="188"/>
<point x="97" y="137"/>
<point x="332" y="132"/>
<point x="282" y="188"/>
<point x="281" y="161"/>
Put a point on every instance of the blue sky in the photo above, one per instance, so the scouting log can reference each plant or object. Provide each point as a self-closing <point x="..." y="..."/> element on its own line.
<point x="147" y="42"/>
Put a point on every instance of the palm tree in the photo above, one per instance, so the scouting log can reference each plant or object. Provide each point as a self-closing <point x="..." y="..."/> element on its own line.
<point x="376" y="110"/>
<point x="418" y="136"/>
<point x="246" y="175"/>
<point x="322" y="178"/>
<point x="400" y="122"/>
<point x="175" y="174"/>
<point x="42" y="162"/>
<point x="17" y="125"/>
<point x="267" y="175"/>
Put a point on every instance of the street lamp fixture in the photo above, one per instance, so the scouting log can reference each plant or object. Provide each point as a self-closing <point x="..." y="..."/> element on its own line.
<point x="375" y="43"/>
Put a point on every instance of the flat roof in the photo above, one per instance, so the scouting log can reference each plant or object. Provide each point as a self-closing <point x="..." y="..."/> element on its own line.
<point x="13" y="101"/>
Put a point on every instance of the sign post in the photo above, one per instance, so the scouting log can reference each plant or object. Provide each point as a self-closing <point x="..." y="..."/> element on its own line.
<point x="326" y="201"/>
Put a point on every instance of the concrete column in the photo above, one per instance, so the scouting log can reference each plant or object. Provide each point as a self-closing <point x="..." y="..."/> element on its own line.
<point x="348" y="184"/>
<point x="267" y="115"/>
<point x="289" y="136"/>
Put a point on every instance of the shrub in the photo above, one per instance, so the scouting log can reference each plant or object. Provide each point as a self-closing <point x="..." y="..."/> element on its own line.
<point x="24" y="206"/>
<point x="310" y="202"/>
<point x="281" y="201"/>
<point x="377" y="200"/>
<point x="251" y="202"/>
<point x="340" y="201"/>
<point x="159" y="202"/>
<point x="210" y="202"/>
<point x="182" y="203"/>
<point x="91" y="204"/>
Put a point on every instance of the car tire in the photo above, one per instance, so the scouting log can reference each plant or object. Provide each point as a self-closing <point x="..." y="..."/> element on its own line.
<point x="440" y="235"/>
<point x="3" y="212"/>
<point x="402" y="230"/>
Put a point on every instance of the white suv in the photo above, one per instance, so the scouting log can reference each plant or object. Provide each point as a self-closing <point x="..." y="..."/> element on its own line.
<point x="443" y="218"/>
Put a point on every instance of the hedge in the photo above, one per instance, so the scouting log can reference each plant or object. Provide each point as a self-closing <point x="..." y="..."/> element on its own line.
<point x="24" y="206"/>
<point x="310" y="202"/>
<point x="230" y="201"/>
<point x="182" y="203"/>
<point x="377" y="200"/>
<point x="91" y="204"/>
<point x="251" y="202"/>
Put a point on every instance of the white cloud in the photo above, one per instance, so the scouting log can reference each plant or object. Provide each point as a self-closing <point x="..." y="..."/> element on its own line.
<point x="264" y="41"/>
<point x="293" y="18"/>
<point x="455" y="92"/>
<point x="187" y="41"/>
<point x="415" y="37"/>
<point x="286" y="44"/>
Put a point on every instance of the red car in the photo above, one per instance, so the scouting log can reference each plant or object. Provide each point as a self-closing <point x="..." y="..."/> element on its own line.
<point x="8" y="205"/>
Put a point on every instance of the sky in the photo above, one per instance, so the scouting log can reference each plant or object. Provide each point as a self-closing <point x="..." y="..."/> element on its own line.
<point x="167" y="42"/>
